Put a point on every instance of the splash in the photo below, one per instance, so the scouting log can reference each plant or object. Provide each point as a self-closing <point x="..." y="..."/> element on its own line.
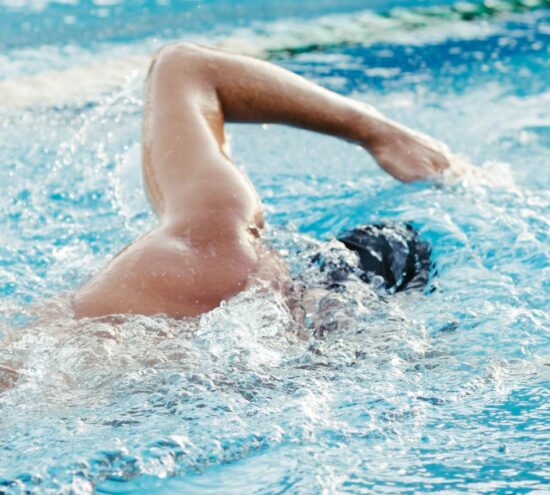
<point x="445" y="390"/>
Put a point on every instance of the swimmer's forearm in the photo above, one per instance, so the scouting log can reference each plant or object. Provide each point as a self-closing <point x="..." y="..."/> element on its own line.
<point x="252" y="90"/>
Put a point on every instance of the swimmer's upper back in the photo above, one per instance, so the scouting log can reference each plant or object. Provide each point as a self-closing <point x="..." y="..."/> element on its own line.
<point x="164" y="273"/>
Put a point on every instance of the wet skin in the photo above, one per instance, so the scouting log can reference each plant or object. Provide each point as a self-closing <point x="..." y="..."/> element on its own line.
<point x="208" y="244"/>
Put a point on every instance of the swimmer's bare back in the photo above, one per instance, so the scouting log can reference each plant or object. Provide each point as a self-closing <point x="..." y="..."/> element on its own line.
<point x="208" y="244"/>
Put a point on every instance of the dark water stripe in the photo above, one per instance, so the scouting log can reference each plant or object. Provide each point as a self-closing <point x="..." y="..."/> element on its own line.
<point x="413" y="19"/>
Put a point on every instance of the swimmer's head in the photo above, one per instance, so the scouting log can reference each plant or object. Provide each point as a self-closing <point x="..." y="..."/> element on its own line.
<point x="391" y="255"/>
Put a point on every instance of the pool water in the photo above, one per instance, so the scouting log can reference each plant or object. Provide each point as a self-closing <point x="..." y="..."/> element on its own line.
<point x="441" y="391"/>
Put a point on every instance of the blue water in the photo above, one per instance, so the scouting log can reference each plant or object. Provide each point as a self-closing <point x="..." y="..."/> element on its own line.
<point x="414" y="393"/>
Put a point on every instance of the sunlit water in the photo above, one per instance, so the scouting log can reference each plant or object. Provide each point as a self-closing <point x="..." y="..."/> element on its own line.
<point x="446" y="390"/>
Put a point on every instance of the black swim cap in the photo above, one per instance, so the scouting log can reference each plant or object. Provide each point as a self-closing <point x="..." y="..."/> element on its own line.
<point x="391" y="251"/>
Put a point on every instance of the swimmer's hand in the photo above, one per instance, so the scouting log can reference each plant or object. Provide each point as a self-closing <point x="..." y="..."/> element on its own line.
<point x="406" y="154"/>
<point x="8" y="377"/>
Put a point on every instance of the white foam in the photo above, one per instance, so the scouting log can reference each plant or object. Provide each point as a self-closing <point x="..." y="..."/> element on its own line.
<point x="74" y="85"/>
<point x="491" y="174"/>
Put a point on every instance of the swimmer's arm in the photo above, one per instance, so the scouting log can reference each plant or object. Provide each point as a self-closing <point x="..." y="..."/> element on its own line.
<point x="252" y="90"/>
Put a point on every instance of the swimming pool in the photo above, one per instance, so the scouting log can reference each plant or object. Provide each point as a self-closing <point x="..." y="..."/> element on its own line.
<point x="444" y="391"/>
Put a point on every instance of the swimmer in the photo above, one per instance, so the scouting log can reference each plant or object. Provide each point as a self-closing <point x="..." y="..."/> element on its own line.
<point x="208" y="244"/>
